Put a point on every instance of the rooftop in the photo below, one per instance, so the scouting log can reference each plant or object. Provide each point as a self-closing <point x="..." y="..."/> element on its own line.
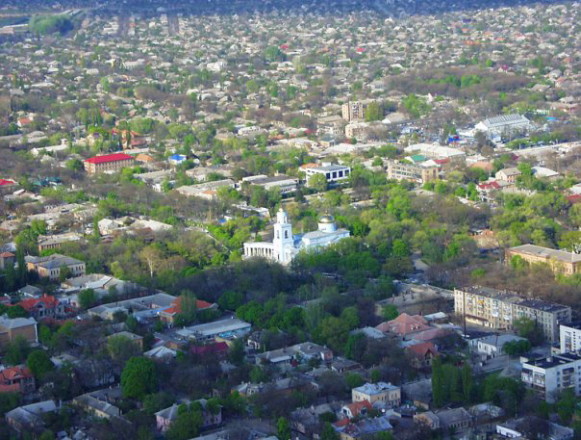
<point x="116" y="157"/>
<point x="554" y="361"/>
<point x="543" y="252"/>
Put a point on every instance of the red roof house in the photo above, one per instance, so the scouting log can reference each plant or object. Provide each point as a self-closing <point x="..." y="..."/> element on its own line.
<point x="17" y="379"/>
<point x="404" y="325"/>
<point x="46" y="306"/>
<point x="108" y="163"/>
<point x="168" y="315"/>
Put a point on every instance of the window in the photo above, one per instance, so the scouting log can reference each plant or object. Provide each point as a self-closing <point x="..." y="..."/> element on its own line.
<point x="285" y="234"/>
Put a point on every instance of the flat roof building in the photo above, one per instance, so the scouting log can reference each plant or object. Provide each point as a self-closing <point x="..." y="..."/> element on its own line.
<point x="568" y="263"/>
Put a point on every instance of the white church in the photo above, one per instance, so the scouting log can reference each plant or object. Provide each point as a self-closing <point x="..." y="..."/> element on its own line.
<point x="285" y="246"/>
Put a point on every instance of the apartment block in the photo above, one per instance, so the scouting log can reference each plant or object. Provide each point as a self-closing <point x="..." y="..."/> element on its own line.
<point x="552" y="375"/>
<point x="420" y="173"/>
<point x="570" y="337"/>
<point x="497" y="309"/>
<point x="382" y="392"/>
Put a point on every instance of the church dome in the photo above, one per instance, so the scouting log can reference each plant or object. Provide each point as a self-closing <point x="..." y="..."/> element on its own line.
<point x="327" y="224"/>
<point x="327" y="219"/>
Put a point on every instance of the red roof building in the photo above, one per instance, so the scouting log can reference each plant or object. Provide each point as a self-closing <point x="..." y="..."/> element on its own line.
<point x="46" y="306"/>
<point x="168" y="315"/>
<point x="17" y="379"/>
<point x="422" y="354"/>
<point x="404" y="325"/>
<point x="108" y="163"/>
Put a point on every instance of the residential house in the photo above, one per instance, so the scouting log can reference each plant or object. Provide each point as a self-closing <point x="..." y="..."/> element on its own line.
<point x="456" y="419"/>
<point x="508" y="175"/>
<point x="356" y="409"/>
<point x="100" y="403"/>
<point x="10" y="329"/>
<point x="47" y="306"/>
<point x="362" y="428"/>
<point x="167" y="416"/>
<point x="386" y="394"/>
<point x="404" y="325"/>
<point x="29" y="418"/>
<point x="18" y="379"/>
<point x="50" y="242"/>
<point x="51" y="266"/>
<point x="521" y="428"/>
<point x="493" y="346"/>
<point x="7" y="259"/>
<point x="422" y="355"/>
<point x="169" y="315"/>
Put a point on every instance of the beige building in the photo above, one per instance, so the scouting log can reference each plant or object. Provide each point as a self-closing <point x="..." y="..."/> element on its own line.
<point x="384" y="393"/>
<point x="109" y="163"/>
<point x="10" y="329"/>
<point x="414" y="172"/>
<point x="564" y="262"/>
<point x="47" y="242"/>
<point x="508" y="175"/>
<point x="498" y="309"/>
<point x="50" y="267"/>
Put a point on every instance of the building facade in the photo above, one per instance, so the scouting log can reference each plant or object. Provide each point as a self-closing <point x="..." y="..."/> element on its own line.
<point x="382" y="392"/>
<point x="413" y="172"/>
<point x="109" y="163"/>
<point x="333" y="173"/>
<point x="567" y="263"/>
<point x="285" y="246"/>
<point x="498" y="309"/>
<point x="50" y="267"/>
<point x="354" y="110"/>
<point x="570" y="337"/>
<point x="552" y="375"/>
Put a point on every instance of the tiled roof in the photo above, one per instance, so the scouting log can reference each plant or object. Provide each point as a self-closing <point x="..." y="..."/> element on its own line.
<point x="50" y="302"/>
<point x="109" y="158"/>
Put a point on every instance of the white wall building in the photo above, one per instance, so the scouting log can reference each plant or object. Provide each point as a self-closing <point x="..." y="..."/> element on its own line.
<point x="552" y="375"/>
<point x="285" y="246"/>
<point x="570" y="337"/>
<point x="333" y="173"/>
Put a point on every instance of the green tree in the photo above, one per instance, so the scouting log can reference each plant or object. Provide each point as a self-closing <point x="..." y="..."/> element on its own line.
<point x="529" y="329"/>
<point x="438" y="383"/>
<point x="329" y="432"/>
<point x="187" y="425"/>
<point x="283" y="431"/>
<point x="373" y="112"/>
<point x="39" y="363"/>
<point x="17" y="351"/>
<point x="517" y="348"/>
<point x="138" y="378"/>
<point x="87" y="298"/>
<point x="389" y="312"/>
<point x="121" y="348"/>
<point x="318" y="182"/>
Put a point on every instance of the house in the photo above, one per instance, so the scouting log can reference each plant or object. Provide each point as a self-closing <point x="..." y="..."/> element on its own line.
<point x="167" y="416"/>
<point x="362" y="428"/>
<point x="100" y="403"/>
<point x="29" y="418"/>
<point x="525" y="426"/>
<point x="356" y="409"/>
<point x="404" y="325"/>
<point x="283" y="184"/>
<point x="49" y="242"/>
<point x="161" y="353"/>
<point x="50" y="266"/>
<point x="508" y="175"/>
<point x="492" y="346"/>
<point x="294" y="355"/>
<point x="7" y="259"/>
<point x="383" y="393"/>
<point x="47" y="306"/>
<point x="135" y="339"/>
<point x="551" y="375"/>
<point x="18" y="379"/>
<point x="10" y="329"/>
<point x="422" y="355"/>
<point x="567" y="263"/>
<point x="109" y="163"/>
<point x="456" y="419"/>
<point x="168" y="315"/>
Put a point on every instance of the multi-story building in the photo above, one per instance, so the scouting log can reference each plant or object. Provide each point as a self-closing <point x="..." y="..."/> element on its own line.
<point x="50" y="267"/>
<point x="109" y="163"/>
<point x="357" y="130"/>
<point x="385" y="393"/>
<point x="333" y="173"/>
<point x="47" y="306"/>
<point x="354" y="110"/>
<point x="570" y="337"/>
<point x="48" y="242"/>
<point x="498" y="309"/>
<point x="552" y="375"/>
<point x="421" y="173"/>
<point x="568" y="263"/>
